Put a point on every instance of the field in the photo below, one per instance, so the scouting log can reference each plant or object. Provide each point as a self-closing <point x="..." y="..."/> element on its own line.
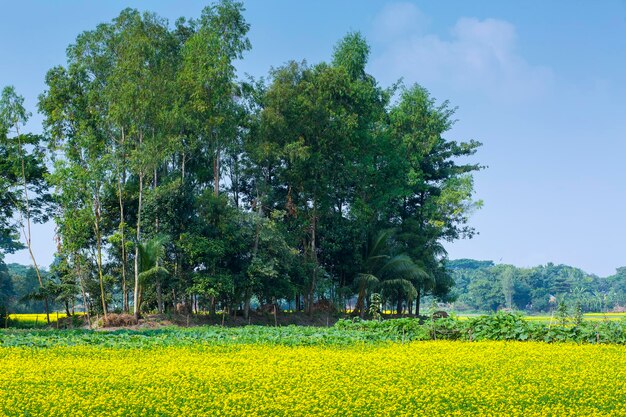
<point x="33" y="321"/>
<point x="301" y="371"/>
<point x="545" y="318"/>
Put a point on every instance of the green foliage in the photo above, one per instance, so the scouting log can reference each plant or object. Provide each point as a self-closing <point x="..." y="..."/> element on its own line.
<point x="181" y="187"/>
<point x="484" y="286"/>
<point x="498" y="326"/>
<point x="7" y="292"/>
<point x="23" y="189"/>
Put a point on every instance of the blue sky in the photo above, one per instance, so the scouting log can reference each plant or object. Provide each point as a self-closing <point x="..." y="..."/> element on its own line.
<point x="541" y="84"/>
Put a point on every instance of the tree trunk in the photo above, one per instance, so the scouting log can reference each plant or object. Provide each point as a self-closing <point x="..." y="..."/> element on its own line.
<point x="212" y="308"/>
<point x="136" y="295"/>
<point x="246" y="304"/>
<point x="159" y="292"/>
<point x="216" y="172"/>
<point x="314" y="259"/>
<point x="120" y="186"/>
<point x="159" y="297"/>
<point x="359" y="307"/>
<point x="182" y="168"/>
<point x="417" y="304"/>
<point x="99" y="259"/>
<point x="255" y="251"/>
<point x="399" y="305"/>
<point x="82" y="290"/>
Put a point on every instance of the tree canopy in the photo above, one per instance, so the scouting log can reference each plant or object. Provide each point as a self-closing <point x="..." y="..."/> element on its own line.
<point x="179" y="186"/>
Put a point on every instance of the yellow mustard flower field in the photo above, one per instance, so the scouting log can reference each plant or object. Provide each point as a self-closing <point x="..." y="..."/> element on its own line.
<point x="434" y="378"/>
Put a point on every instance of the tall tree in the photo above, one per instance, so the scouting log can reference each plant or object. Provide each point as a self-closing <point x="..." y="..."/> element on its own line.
<point x="206" y="80"/>
<point x="436" y="195"/>
<point x="28" y="166"/>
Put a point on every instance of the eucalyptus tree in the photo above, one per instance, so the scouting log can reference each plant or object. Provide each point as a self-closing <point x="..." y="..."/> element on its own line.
<point x="23" y="181"/>
<point x="71" y="105"/>
<point x="207" y="81"/>
<point x="137" y="89"/>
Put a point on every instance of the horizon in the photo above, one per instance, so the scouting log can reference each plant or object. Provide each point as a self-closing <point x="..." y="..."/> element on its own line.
<point x="544" y="97"/>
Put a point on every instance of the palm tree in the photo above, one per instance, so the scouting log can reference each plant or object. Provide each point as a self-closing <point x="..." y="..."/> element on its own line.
<point x="387" y="271"/>
<point x="151" y="253"/>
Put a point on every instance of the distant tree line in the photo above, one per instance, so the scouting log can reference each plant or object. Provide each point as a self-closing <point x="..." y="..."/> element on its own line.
<point x="176" y="185"/>
<point x="484" y="286"/>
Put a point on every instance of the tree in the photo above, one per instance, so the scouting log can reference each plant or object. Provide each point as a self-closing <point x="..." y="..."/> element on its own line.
<point x="507" y="280"/>
<point x="262" y="189"/>
<point x="387" y="271"/>
<point x="75" y="127"/>
<point x="7" y="292"/>
<point x="434" y="200"/>
<point x="206" y="80"/>
<point x="28" y="167"/>
<point x="151" y="253"/>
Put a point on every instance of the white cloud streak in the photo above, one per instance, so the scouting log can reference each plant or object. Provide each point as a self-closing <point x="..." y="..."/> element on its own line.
<point x="479" y="56"/>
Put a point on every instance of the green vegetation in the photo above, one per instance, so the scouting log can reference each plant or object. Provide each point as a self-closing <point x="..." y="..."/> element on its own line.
<point x="484" y="286"/>
<point x="177" y="186"/>
<point x="500" y="326"/>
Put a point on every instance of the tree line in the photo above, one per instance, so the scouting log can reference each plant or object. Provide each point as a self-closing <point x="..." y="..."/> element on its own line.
<point x="485" y="286"/>
<point x="175" y="184"/>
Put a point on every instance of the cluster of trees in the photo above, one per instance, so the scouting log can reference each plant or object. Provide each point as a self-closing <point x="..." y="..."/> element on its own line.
<point x="484" y="286"/>
<point x="174" y="184"/>
<point x="21" y="292"/>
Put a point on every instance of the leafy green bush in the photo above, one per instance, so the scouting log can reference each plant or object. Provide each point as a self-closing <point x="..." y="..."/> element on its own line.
<point x="499" y="326"/>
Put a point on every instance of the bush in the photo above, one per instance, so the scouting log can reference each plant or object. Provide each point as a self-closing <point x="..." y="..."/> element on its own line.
<point x="498" y="326"/>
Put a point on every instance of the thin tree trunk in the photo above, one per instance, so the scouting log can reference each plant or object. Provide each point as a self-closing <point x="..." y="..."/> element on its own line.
<point x="159" y="297"/>
<point x="216" y="172"/>
<point x="99" y="248"/>
<point x="82" y="290"/>
<point x="417" y="304"/>
<point x="27" y="232"/>
<point x="314" y="259"/>
<point x="159" y="292"/>
<point x="183" y="167"/>
<point x="136" y="295"/>
<point x="246" y="304"/>
<point x="120" y="186"/>
<point x="255" y="250"/>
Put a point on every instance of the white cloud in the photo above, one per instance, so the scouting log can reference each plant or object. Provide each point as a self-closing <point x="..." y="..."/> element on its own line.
<point x="398" y="19"/>
<point x="480" y="56"/>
